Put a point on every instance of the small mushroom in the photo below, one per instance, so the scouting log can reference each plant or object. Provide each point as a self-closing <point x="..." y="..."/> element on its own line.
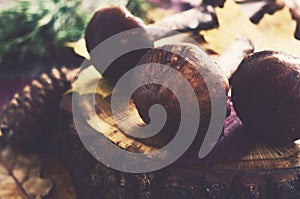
<point x="112" y="20"/>
<point x="108" y="22"/>
<point x="266" y="96"/>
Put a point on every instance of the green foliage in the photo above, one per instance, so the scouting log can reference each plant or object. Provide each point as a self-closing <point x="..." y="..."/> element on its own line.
<point x="39" y="27"/>
<point x="139" y="8"/>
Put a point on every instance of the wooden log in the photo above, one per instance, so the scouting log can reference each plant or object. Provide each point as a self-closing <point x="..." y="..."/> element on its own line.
<point x="236" y="168"/>
<point x="264" y="173"/>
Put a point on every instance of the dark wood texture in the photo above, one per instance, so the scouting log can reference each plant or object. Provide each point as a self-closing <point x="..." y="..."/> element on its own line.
<point x="265" y="172"/>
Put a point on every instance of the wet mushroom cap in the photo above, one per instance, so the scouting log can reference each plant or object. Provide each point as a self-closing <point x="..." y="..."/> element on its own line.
<point x="266" y="96"/>
<point x="189" y="61"/>
<point x="108" y="22"/>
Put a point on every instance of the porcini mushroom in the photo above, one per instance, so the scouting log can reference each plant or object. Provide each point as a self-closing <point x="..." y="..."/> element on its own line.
<point x="266" y="96"/>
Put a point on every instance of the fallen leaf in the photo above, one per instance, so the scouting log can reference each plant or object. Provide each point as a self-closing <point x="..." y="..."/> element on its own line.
<point x="87" y="79"/>
<point x="273" y="32"/>
<point x="79" y="48"/>
<point x="37" y="187"/>
<point x="20" y="176"/>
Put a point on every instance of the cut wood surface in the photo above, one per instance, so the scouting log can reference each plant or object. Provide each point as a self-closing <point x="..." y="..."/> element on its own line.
<point x="263" y="172"/>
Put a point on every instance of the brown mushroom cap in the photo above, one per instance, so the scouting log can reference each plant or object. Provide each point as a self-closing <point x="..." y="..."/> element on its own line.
<point x="188" y="60"/>
<point x="108" y="22"/>
<point x="266" y="96"/>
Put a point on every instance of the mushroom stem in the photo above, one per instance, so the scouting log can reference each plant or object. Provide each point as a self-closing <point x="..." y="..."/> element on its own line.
<point x="230" y="59"/>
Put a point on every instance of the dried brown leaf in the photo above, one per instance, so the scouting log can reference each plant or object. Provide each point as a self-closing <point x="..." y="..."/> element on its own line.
<point x="20" y="176"/>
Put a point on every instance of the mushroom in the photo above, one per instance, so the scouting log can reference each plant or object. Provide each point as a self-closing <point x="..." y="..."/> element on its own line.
<point x="266" y="96"/>
<point x="189" y="61"/>
<point x="108" y="22"/>
<point x="112" y="20"/>
<point x="188" y="64"/>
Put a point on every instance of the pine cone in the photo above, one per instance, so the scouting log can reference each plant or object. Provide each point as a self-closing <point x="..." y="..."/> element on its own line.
<point x="32" y="113"/>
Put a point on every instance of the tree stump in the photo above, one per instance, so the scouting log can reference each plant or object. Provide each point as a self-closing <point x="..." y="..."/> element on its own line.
<point x="264" y="172"/>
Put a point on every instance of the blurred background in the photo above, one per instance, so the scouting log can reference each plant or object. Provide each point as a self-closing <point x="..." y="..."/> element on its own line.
<point x="36" y="35"/>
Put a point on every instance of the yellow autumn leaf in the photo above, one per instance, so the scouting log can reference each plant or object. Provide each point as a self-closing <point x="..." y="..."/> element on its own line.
<point x="88" y="77"/>
<point x="79" y="48"/>
<point x="273" y="32"/>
